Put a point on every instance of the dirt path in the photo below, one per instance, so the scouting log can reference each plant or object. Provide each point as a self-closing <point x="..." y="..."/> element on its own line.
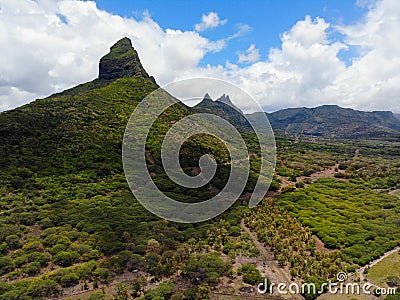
<point x="328" y="172"/>
<point x="271" y="270"/>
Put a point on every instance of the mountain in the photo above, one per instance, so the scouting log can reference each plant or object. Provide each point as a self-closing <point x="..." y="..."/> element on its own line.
<point x="226" y="100"/>
<point x="333" y="121"/>
<point x="80" y="128"/>
<point x="397" y="116"/>
<point x="67" y="215"/>
<point x="330" y="121"/>
<point x="224" y="108"/>
<point x="63" y="194"/>
<point x="122" y="61"/>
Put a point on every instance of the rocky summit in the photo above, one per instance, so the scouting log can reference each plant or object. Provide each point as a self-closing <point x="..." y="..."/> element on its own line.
<point x="122" y="61"/>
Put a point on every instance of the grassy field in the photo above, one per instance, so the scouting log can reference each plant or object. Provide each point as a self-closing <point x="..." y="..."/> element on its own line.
<point x="390" y="266"/>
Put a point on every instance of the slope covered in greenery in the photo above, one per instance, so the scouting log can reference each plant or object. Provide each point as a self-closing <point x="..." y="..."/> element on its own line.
<point x="67" y="215"/>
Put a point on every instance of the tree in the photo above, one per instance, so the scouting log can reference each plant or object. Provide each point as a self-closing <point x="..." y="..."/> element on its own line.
<point x="121" y="292"/>
<point x="69" y="279"/>
<point x="39" y="257"/>
<point x="163" y="291"/>
<point x="6" y="265"/>
<point x="250" y="274"/>
<point x="97" y="296"/>
<point x="203" y="292"/>
<point x="202" y="268"/>
<point x="153" y="246"/>
<point x="137" y="285"/>
<point x="66" y="258"/>
<point x="13" y="241"/>
<point x="43" y="288"/>
<point x="103" y="274"/>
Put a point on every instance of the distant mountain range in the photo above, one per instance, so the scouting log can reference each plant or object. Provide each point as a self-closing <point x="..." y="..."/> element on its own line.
<point x="329" y="121"/>
<point x="333" y="121"/>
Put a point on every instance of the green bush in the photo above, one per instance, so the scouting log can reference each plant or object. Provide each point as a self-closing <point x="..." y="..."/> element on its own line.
<point x="39" y="257"/>
<point x="6" y="265"/>
<point x="69" y="279"/>
<point x="13" y="241"/>
<point x="32" y="268"/>
<point x="66" y="258"/>
<point x="251" y="274"/>
<point x="97" y="296"/>
<point x="43" y="288"/>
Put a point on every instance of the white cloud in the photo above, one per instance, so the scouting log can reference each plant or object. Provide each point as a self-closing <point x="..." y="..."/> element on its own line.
<point x="209" y="21"/>
<point x="250" y="56"/>
<point x="306" y="69"/>
<point x="372" y="81"/>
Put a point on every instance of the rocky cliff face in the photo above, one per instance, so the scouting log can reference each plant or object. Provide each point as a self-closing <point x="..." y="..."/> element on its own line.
<point x="122" y="61"/>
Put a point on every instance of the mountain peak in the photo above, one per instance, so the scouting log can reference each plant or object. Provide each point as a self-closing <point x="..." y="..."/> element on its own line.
<point x="207" y="97"/>
<point x="226" y="100"/>
<point x="121" y="61"/>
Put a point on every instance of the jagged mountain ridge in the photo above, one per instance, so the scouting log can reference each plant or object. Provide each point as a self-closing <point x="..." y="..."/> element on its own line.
<point x="224" y="108"/>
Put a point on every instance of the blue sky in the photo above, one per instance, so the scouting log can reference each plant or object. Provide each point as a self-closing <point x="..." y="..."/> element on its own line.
<point x="286" y="53"/>
<point x="267" y="19"/>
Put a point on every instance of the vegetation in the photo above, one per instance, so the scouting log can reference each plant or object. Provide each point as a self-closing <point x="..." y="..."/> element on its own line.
<point x="291" y="243"/>
<point x="250" y="274"/>
<point x="360" y="222"/>
<point x="69" y="220"/>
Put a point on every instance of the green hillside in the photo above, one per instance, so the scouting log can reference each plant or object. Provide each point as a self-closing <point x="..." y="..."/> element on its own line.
<point x="67" y="214"/>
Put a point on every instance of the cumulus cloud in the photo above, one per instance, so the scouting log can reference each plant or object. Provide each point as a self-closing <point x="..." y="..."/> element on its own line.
<point x="48" y="46"/>
<point x="250" y="56"/>
<point x="306" y="69"/>
<point x="209" y="21"/>
<point x="373" y="79"/>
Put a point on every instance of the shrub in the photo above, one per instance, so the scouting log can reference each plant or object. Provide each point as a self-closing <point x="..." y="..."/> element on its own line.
<point x="6" y="265"/>
<point x="250" y="274"/>
<point x="41" y="258"/>
<point x="69" y="279"/>
<point x="97" y="296"/>
<point x="65" y="258"/>
<point x="43" y="288"/>
<point x="13" y="241"/>
<point x="32" y="269"/>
